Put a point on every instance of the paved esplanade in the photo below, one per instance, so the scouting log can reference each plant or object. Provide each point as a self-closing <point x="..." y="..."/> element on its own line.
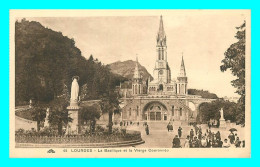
<point x="159" y="136"/>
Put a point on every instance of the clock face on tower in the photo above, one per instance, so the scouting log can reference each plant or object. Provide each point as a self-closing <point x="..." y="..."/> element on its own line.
<point x="161" y="72"/>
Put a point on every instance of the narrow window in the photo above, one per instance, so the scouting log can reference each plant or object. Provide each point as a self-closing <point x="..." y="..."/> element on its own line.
<point x="162" y="55"/>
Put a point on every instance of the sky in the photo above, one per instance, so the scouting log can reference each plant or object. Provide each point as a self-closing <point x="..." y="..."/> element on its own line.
<point x="202" y="37"/>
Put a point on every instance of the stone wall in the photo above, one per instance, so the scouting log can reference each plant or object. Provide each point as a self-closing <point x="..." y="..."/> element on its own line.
<point x="177" y="109"/>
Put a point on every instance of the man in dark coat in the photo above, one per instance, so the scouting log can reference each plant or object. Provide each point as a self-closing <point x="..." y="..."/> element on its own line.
<point x="147" y="129"/>
<point x="200" y="134"/>
<point x="218" y="136"/>
<point x="180" y="132"/>
<point x="191" y="134"/>
<point x="168" y="126"/>
<point x="231" y="137"/>
<point x="176" y="143"/>
<point x="237" y="142"/>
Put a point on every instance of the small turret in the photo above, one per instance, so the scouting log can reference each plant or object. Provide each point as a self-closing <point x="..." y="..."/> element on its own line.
<point x="182" y="70"/>
<point x="182" y="80"/>
<point x="137" y="87"/>
<point x="136" y="72"/>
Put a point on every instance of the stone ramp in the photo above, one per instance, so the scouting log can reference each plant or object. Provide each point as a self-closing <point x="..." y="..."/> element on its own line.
<point x="157" y="125"/>
<point x="162" y="125"/>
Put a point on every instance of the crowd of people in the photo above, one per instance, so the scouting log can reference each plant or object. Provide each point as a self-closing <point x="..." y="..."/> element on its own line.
<point x="197" y="139"/>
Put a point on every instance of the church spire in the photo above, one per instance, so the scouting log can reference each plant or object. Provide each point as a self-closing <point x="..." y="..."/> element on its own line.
<point x="161" y="29"/>
<point x="161" y="36"/>
<point x="136" y="72"/>
<point x="182" y="70"/>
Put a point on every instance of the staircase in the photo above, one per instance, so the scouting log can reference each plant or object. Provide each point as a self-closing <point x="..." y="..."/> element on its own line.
<point x="158" y="125"/>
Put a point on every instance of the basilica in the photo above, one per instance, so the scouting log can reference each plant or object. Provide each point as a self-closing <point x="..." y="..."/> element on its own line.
<point x="163" y="98"/>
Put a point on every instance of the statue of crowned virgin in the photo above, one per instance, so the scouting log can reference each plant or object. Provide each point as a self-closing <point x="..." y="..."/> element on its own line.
<point x="74" y="91"/>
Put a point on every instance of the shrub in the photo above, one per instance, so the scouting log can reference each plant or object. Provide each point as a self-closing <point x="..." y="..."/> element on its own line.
<point x="123" y="131"/>
<point x="47" y="131"/>
<point x="116" y="131"/>
<point x="20" y="131"/>
<point x="100" y="128"/>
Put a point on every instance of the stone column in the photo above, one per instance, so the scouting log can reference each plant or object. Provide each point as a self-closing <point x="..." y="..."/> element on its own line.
<point x="73" y="127"/>
<point x="113" y="117"/>
<point x="121" y="116"/>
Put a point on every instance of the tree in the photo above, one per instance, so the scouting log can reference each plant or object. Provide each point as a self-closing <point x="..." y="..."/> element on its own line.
<point x="211" y="110"/>
<point x="235" y="61"/>
<point x="84" y="92"/>
<point x="91" y="58"/>
<point x="59" y="116"/>
<point x="45" y="60"/>
<point x="90" y="114"/>
<point x="38" y="114"/>
<point x="202" y="93"/>
<point x="110" y="104"/>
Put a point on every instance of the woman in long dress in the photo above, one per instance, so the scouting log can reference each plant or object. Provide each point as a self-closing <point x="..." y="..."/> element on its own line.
<point x="187" y="142"/>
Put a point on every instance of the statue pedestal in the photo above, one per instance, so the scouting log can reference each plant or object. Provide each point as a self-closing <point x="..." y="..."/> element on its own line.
<point x="222" y="123"/>
<point x="73" y="127"/>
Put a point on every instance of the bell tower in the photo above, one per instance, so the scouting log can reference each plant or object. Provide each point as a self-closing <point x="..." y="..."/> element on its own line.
<point x="161" y="70"/>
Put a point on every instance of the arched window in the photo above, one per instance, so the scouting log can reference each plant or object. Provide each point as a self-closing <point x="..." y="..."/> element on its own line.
<point x="137" y="111"/>
<point x="151" y="108"/>
<point x="159" y="54"/>
<point x="180" y="111"/>
<point x="162" y="54"/>
<point x="172" y="110"/>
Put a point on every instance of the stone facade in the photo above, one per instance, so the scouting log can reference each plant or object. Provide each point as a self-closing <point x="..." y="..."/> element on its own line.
<point x="162" y="99"/>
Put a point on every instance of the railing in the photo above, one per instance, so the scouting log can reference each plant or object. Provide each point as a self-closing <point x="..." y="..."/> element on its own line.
<point x="95" y="138"/>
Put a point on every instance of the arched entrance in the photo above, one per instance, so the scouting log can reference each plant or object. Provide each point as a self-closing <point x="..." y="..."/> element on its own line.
<point x="155" y="111"/>
<point x="160" y="87"/>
